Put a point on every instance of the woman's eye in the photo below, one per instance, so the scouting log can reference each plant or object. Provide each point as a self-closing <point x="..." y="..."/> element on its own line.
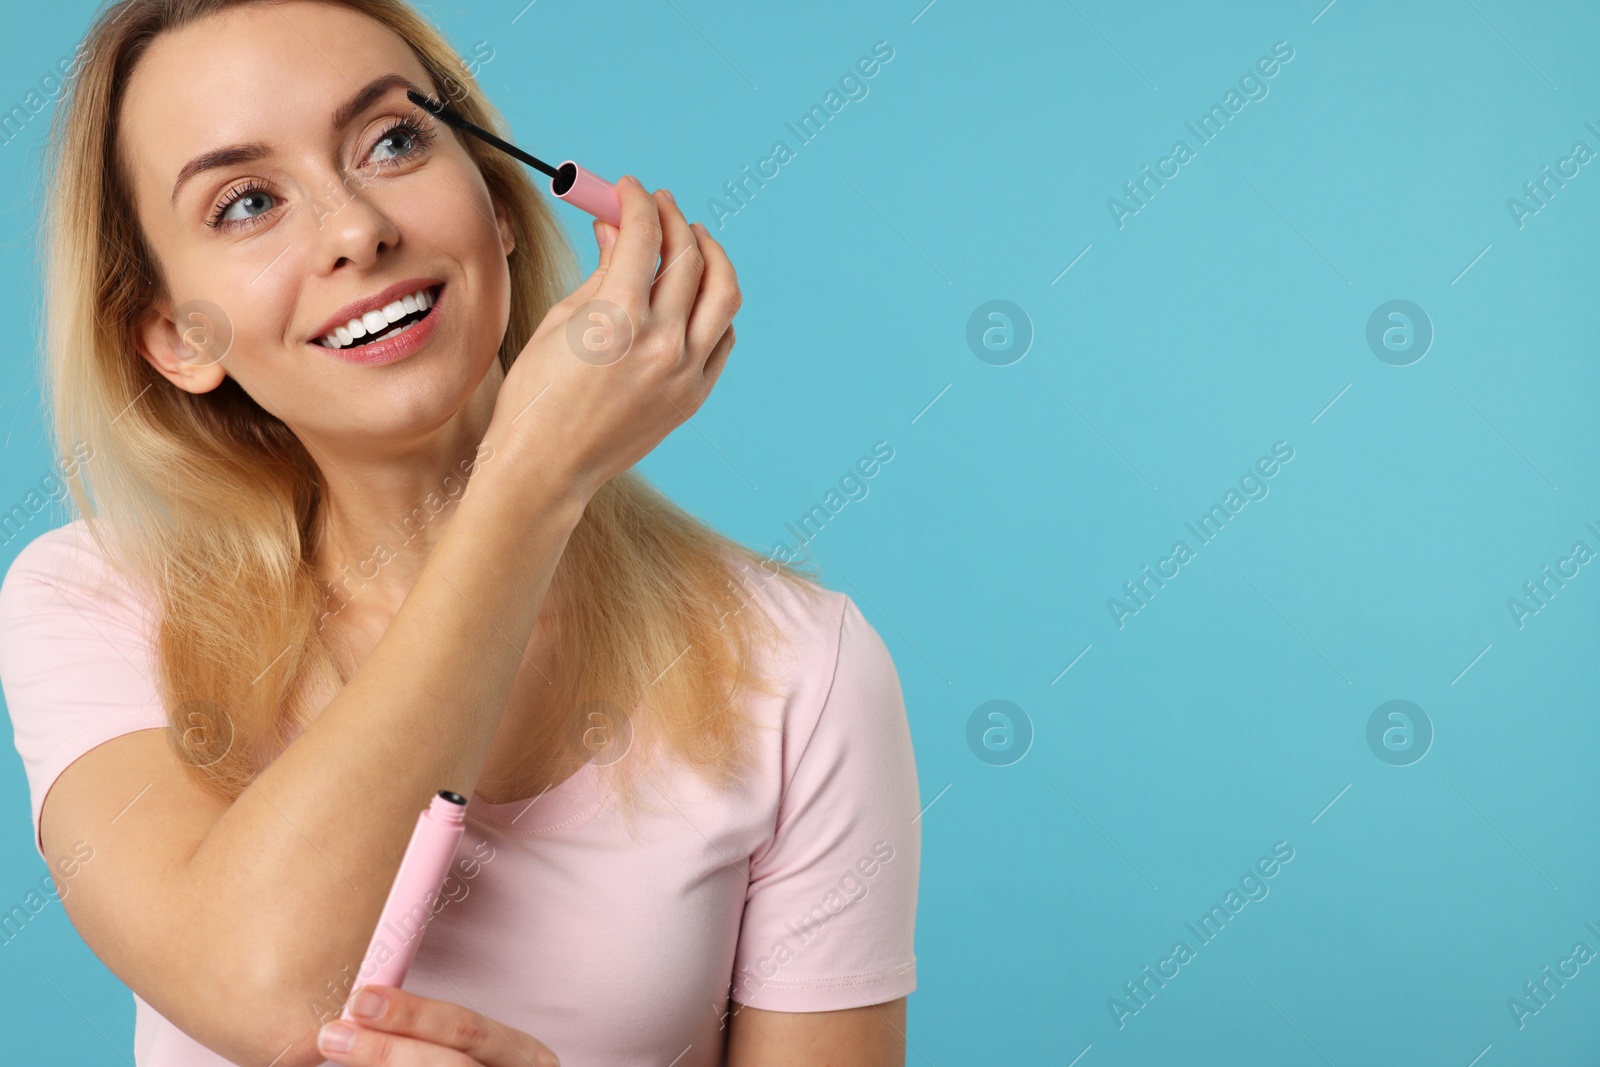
<point x="400" y="135"/>
<point x="254" y="202"/>
<point x="405" y="140"/>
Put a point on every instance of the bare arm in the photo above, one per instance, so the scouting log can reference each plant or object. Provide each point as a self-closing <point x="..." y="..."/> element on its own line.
<point x="205" y="908"/>
<point x="230" y="919"/>
<point x="872" y="1036"/>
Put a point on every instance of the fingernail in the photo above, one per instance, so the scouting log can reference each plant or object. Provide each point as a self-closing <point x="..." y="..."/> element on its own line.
<point x="669" y="195"/>
<point x="369" y="1004"/>
<point x="336" y="1037"/>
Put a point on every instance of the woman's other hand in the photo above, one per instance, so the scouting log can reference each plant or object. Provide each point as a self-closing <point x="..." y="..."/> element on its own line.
<point x="406" y="1030"/>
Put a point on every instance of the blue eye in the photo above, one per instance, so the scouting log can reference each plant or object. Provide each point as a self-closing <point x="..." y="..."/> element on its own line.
<point x="416" y="138"/>
<point x="398" y="133"/>
<point x="419" y="137"/>
<point x="244" y="195"/>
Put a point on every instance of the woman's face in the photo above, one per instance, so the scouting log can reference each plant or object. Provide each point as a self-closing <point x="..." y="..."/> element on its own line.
<point x="336" y="207"/>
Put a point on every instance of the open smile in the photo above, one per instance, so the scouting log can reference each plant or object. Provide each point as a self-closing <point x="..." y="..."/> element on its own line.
<point x="381" y="324"/>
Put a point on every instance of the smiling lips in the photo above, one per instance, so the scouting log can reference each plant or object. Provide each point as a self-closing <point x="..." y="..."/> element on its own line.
<point x="383" y="322"/>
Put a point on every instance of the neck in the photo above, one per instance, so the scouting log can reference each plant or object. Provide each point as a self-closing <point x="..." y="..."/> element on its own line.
<point x="386" y="505"/>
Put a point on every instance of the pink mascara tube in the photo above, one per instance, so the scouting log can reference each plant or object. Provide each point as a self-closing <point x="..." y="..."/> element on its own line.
<point x="407" y="911"/>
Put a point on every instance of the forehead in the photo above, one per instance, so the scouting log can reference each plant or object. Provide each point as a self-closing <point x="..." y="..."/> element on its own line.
<point x="258" y="72"/>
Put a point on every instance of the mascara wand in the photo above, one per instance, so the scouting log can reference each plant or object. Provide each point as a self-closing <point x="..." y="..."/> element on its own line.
<point x="581" y="188"/>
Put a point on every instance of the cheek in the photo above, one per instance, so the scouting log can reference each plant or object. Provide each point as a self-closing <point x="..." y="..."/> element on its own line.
<point x="451" y="224"/>
<point x="448" y="206"/>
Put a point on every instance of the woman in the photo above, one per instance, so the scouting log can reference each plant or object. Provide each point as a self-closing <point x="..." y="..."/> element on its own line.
<point x="307" y="592"/>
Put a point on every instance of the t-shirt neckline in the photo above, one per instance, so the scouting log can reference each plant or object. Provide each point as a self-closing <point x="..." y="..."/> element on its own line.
<point x="569" y="804"/>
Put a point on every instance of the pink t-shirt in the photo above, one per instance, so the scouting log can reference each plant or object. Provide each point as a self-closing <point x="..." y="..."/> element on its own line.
<point x="795" y="892"/>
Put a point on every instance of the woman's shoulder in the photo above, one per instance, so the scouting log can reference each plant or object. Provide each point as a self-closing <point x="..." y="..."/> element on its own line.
<point x="64" y="558"/>
<point x="826" y="651"/>
<point x="805" y="614"/>
<point x="64" y="552"/>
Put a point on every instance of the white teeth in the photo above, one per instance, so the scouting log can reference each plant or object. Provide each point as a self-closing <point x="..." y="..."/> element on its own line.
<point x="396" y="331"/>
<point x="378" y="321"/>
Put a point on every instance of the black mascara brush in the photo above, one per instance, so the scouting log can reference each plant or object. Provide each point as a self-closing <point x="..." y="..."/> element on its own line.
<point x="581" y="188"/>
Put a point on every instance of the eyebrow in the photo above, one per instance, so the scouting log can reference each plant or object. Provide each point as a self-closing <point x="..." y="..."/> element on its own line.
<point x="233" y="155"/>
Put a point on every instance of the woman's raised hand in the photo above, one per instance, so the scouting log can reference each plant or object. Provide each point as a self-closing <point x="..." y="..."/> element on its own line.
<point x="629" y="355"/>
<point x="411" y="1031"/>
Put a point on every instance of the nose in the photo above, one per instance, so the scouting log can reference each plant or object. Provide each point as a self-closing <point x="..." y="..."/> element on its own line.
<point x="350" y="223"/>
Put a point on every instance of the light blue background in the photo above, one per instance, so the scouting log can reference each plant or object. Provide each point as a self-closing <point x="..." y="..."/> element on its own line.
<point x="1225" y="316"/>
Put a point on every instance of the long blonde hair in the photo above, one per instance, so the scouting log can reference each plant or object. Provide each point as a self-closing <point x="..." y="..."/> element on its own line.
<point x="212" y="504"/>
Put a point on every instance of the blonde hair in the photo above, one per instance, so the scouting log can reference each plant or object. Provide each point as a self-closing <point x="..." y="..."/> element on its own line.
<point x="212" y="504"/>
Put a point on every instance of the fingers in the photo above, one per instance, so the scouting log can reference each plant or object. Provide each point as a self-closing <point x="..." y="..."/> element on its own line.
<point x="633" y="258"/>
<point x="374" y="1049"/>
<point x="672" y="297"/>
<point x="718" y="301"/>
<point x="717" y="360"/>
<point x="408" y="1030"/>
<point x="605" y="239"/>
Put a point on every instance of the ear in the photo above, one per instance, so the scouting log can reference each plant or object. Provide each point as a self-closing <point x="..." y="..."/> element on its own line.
<point x="502" y="221"/>
<point x="186" y="344"/>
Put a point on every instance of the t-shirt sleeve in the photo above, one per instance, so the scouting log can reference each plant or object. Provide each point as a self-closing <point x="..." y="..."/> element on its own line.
<point x="74" y="658"/>
<point x="831" y="909"/>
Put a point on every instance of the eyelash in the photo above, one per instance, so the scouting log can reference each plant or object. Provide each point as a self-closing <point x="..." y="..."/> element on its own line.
<point x="422" y="137"/>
